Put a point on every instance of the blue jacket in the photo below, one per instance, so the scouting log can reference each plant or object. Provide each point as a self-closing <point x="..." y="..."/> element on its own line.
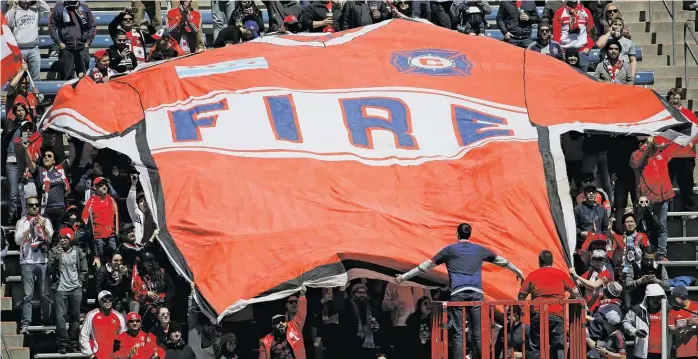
<point x="72" y="30"/>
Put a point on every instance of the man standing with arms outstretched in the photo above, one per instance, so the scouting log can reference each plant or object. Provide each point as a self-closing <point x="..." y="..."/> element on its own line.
<point x="463" y="261"/>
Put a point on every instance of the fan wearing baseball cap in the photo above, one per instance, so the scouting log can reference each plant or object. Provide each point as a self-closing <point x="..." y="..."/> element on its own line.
<point x="101" y="72"/>
<point x="135" y="343"/>
<point x="166" y="47"/>
<point x="102" y="213"/>
<point x="69" y="264"/>
<point x="286" y="338"/>
<point x="101" y="327"/>
<point x="683" y="324"/>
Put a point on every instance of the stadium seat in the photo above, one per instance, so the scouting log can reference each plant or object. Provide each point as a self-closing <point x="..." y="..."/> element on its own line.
<point x="49" y="88"/>
<point x="644" y="78"/>
<point x="103" y="18"/>
<point x="595" y="55"/>
<point x="496" y="34"/>
<point x="101" y="41"/>
<point x="48" y="62"/>
<point x="641" y="78"/>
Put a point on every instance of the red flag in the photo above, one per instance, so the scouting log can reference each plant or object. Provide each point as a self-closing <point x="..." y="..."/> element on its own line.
<point x="11" y="56"/>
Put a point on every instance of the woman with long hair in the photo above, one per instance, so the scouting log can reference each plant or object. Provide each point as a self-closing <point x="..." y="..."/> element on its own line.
<point x="419" y="330"/>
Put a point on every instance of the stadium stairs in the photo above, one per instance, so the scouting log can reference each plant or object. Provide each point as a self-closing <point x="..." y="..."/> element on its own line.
<point x="651" y="30"/>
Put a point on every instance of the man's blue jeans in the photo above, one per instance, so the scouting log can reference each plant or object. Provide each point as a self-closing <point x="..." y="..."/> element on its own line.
<point x="29" y="271"/>
<point x="68" y="303"/>
<point x="222" y="12"/>
<point x="33" y="58"/>
<point x="13" y="182"/>
<point x="100" y="250"/>
<point x="661" y="211"/>
<point x="455" y="316"/>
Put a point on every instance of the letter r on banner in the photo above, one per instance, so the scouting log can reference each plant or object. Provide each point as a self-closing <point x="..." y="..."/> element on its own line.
<point x="186" y="123"/>
<point x="359" y="122"/>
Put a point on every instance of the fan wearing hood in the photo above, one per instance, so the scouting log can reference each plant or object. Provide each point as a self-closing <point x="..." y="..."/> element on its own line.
<point x="175" y="347"/>
<point x="229" y="347"/>
<point x="644" y="322"/>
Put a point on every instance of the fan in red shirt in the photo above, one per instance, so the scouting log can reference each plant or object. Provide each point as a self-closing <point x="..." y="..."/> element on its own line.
<point x="548" y="283"/>
<point x="102" y="212"/>
<point x="101" y="327"/>
<point x="683" y="324"/>
<point x="595" y="278"/>
<point x="135" y="343"/>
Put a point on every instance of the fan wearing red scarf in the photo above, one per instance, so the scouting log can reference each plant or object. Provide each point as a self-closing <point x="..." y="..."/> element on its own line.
<point x="32" y="235"/>
<point x="572" y="25"/>
<point x="612" y="69"/>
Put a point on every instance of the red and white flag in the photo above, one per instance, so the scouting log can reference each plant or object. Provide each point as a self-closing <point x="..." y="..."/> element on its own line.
<point x="11" y="56"/>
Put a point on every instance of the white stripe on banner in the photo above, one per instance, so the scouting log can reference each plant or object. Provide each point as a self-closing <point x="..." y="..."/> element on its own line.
<point x="222" y="67"/>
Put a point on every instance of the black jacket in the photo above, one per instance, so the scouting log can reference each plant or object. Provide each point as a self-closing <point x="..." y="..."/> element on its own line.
<point x="278" y="10"/>
<point x="230" y="33"/>
<point x="358" y="13"/>
<point x="119" y="63"/>
<point x="316" y="11"/>
<point x="105" y="279"/>
<point x="178" y="351"/>
<point x="508" y="18"/>
<point x="79" y="30"/>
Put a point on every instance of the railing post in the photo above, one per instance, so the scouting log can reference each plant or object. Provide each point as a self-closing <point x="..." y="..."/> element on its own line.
<point x="673" y="33"/>
<point x="665" y="344"/>
<point x="685" y="56"/>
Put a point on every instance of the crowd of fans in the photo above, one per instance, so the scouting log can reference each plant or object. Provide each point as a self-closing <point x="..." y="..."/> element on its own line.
<point x="80" y="212"/>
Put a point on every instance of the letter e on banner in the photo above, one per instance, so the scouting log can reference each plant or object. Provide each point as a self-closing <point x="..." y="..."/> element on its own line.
<point x="359" y="122"/>
<point x="472" y="126"/>
<point x="186" y="123"/>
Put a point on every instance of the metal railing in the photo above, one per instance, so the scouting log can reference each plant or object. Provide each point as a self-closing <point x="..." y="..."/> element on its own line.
<point x="671" y="9"/>
<point x="686" y="50"/>
<point x="511" y="314"/>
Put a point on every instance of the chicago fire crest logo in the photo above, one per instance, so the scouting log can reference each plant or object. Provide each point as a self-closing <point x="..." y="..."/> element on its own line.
<point x="432" y="62"/>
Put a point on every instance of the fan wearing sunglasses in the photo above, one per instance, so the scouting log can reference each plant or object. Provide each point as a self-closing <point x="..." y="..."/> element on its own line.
<point x="33" y="233"/>
<point x="135" y="343"/>
<point x="286" y="339"/>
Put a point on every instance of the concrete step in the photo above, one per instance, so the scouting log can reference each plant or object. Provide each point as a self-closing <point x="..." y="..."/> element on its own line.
<point x="19" y="353"/>
<point x="659" y="14"/>
<point x="669" y="71"/>
<point x="671" y="82"/>
<point x="59" y="356"/>
<point x="642" y="38"/>
<point x="654" y="26"/>
<point x="8" y="327"/>
<point x="630" y="6"/>
<point x="5" y="303"/>
<point x="661" y="49"/>
<point x="13" y="340"/>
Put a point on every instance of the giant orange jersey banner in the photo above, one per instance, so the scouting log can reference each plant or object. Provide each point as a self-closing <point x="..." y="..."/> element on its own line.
<point x="306" y="159"/>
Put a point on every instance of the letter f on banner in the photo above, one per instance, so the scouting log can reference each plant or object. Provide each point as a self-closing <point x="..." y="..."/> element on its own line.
<point x="187" y="123"/>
